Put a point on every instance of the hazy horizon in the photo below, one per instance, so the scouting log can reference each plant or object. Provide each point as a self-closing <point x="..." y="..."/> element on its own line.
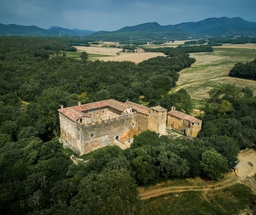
<point x="112" y="14"/>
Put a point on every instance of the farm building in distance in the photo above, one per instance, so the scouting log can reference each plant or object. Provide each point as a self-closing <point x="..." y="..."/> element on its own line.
<point x="87" y="127"/>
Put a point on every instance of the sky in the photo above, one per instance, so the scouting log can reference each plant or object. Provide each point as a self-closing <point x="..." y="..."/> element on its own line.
<point x="112" y="15"/>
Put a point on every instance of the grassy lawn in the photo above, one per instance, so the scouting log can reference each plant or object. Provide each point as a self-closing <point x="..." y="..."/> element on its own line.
<point x="227" y="201"/>
<point x="211" y="69"/>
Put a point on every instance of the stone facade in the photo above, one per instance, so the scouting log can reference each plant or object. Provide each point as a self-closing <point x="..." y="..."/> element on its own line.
<point x="183" y="123"/>
<point x="85" y="128"/>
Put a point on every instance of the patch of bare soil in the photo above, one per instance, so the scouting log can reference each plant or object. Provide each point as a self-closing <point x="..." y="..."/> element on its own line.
<point x="244" y="174"/>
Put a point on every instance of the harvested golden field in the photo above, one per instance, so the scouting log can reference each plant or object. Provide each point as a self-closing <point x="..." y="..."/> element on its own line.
<point x="116" y="54"/>
<point x="99" y="50"/>
<point x="133" y="57"/>
<point x="212" y="68"/>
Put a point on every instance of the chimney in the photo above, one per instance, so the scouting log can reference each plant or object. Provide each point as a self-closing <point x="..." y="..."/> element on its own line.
<point x="79" y="103"/>
<point x="173" y="108"/>
<point x="61" y="106"/>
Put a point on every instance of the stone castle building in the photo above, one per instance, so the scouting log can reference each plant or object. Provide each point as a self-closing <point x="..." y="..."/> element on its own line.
<point x="87" y="127"/>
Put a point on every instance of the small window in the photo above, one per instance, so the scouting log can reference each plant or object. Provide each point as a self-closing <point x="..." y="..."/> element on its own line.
<point x="91" y="134"/>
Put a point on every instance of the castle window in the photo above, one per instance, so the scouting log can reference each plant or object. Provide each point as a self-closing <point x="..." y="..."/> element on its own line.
<point x="91" y="135"/>
<point x="80" y="120"/>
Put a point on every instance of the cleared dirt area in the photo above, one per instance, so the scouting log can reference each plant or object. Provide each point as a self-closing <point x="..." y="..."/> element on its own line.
<point x="247" y="165"/>
<point x="246" y="169"/>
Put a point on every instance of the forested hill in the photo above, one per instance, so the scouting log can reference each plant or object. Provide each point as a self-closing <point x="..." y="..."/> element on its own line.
<point x="206" y="28"/>
<point x="147" y="31"/>
<point x="20" y="30"/>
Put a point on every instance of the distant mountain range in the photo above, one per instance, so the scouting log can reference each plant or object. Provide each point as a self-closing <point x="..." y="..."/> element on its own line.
<point x="145" y="32"/>
<point x="20" y="30"/>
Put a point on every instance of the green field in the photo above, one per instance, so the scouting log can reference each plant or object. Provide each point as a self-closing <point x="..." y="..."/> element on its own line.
<point x="211" y="69"/>
<point x="76" y="55"/>
<point x="231" y="200"/>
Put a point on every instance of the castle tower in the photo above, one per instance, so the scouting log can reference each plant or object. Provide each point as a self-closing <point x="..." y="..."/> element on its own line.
<point x="157" y="119"/>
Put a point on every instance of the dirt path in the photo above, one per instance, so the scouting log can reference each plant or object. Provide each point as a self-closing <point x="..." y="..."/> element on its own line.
<point x="246" y="169"/>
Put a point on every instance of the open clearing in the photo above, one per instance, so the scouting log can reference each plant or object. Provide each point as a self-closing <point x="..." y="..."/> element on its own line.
<point x="246" y="171"/>
<point x="211" y="69"/>
<point x="116" y="54"/>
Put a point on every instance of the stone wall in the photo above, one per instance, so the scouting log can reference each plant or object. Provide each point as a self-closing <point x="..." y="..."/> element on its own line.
<point x="157" y="121"/>
<point x="142" y="121"/>
<point x="174" y="122"/>
<point x="194" y="130"/>
<point x="102" y="114"/>
<point x="69" y="135"/>
<point x="102" y="133"/>
<point x="183" y="126"/>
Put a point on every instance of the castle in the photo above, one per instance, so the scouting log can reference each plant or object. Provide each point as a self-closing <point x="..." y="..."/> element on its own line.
<point x="87" y="127"/>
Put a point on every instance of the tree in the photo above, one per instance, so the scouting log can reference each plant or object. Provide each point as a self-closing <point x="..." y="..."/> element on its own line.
<point x="84" y="57"/>
<point x="224" y="145"/>
<point x="110" y="192"/>
<point x="213" y="164"/>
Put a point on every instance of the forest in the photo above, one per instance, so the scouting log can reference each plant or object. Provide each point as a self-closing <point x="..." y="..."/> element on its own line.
<point x="37" y="174"/>
<point x="244" y="70"/>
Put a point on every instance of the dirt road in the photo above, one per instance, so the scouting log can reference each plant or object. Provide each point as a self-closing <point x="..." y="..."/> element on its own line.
<point x="246" y="169"/>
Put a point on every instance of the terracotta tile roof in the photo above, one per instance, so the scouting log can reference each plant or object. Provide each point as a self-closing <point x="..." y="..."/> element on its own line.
<point x="184" y="116"/>
<point x="158" y="108"/>
<point x="91" y="106"/>
<point x="71" y="114"/>
<point x="139" y="108"/>
<point x="76" y="112"/>
<point x="117" y="105"/>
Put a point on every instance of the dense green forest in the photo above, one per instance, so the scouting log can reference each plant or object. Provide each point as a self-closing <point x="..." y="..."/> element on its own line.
<point x="218" y="41"/>
<point x="37" y="77"/>
<point x="37" y="174"/>
<point x="244" y="70"/>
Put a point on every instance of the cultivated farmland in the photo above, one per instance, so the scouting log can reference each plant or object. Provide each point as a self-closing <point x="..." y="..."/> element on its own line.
<point x="116" y="54"/>
<point x="211" y="69"/>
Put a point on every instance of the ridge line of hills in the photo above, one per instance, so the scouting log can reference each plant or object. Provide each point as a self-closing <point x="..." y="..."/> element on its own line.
<point x="222" y="26"/>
